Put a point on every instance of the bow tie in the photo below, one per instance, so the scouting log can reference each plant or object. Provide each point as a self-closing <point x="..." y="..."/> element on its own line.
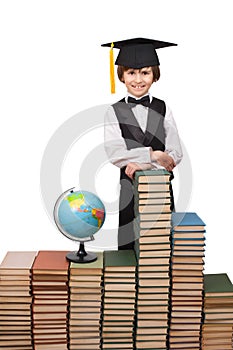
<point x="145" y="101"/>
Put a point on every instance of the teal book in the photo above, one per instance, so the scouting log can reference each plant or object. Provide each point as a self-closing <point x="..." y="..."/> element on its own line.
<point x="185" y="220"/>
<point x="152" y="176"/>
<point x="217" y="285"/>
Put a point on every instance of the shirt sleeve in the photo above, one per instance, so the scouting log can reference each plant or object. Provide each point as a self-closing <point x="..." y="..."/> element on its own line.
<point x="172" y="140"/>
<point x="115" y="146"/>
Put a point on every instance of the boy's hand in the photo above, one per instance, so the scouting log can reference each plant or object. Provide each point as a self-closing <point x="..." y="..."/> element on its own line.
<point x="132" y="167"/>
<point x="163" y="159"/>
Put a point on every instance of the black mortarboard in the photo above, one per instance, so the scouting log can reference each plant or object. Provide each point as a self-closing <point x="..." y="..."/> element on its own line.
<point x="135" y="53"/>
<point x="138" y="52"/>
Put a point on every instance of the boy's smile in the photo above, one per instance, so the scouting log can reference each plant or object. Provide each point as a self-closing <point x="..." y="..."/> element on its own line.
<point x="138" y="81"/>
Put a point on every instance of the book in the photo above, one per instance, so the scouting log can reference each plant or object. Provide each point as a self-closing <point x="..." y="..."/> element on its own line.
<point x="118" y="304"/>
<point x="17" y="263"/>
<point x="154" y="208"/>
<point x="187" y="265"/>
<point x="51" y="262"/>
<point x="15" y="300"/>
<point x="187" y="221"/>
<point x="154" y="217"/>
<point x="147" y="176"/>
<point x="50" y="302"/>
<point x="217" y="285"/>
<point x="85" y="307"/>
<point x="216" y="336"/>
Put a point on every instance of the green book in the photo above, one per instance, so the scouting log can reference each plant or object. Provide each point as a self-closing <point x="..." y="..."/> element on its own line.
<point x="217" y="285"/>
<point x="97" y="264"/>
<point x="119" y="258"/>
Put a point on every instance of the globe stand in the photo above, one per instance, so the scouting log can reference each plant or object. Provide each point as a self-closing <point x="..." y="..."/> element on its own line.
<point x="81" y="256"/>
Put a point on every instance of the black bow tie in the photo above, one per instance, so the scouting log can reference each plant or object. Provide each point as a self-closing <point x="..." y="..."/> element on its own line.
<point x="145" y="101"/>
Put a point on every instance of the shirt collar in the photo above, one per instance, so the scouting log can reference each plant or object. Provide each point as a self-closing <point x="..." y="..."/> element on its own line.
<point x="138" y="98"/>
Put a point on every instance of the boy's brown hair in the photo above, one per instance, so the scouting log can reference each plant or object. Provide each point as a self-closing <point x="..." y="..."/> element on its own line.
<point x="122" y="69"/>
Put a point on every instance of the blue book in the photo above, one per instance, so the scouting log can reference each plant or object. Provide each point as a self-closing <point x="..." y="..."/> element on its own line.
<point x="187" y="221"/>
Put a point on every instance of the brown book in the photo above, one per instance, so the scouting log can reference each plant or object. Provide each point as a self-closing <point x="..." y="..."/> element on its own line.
<point x="151" y="296"/>
<point x="49" y="308"/>
<point x="152" y="240"/>
<point x="45" y="278"/>
<point x="154" y="253"/>
<point x="154" y="231"/>
<point x="160" y="331"/>
<point x="187" y="279"/>
<point x="156" y="247"/>
<point x="153" y="187"/>
<point x="156" y="290"/>
<point x="193" y="273"/>
<point x="153" y="268"/>
<point x="155" y="223"/>
<point x="85" y="284"/>
<point x="188" y="235"/>
<point x="51" y="262"/>
<point x="155" y="274"/>
<point x="188" y="253"/>
<point x="153" y="308"/>
<point x="185" y="292"/>
<point x="188" y="248"/>
<point x="74" y="303"/>
<point x="154" y="261"/>
<point x="17" y="263"/>
<point x="155" y="217"/>
<point x="187" y="286"/>
<point x="152" y="323"/>
<point x="154" y="282"/>
<point x="154" y="208"/>
<point x="86" y="278"/>
<point x="151" y="302"/>
<point x="154" y="201"/>
<point x="187" y="267"/>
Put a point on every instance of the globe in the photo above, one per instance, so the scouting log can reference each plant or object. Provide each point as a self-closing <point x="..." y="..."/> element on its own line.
<point x="79" y="215"/>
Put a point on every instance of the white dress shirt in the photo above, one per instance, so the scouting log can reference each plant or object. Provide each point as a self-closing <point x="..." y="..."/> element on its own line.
<point x="115" y="145"/>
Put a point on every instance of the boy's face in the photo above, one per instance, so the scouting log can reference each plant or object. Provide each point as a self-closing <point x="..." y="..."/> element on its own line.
<point x="138" y="81"/>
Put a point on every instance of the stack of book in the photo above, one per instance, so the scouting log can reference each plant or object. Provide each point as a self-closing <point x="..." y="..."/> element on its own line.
<point x="50" y="300"/>
<point x="119" y="300"/>
<point x="15" y="300"/>
<point x="86" y="292"/>
<point x="187" y="267"/>
<point x="152" y="227"/>
<point x="218" y="312"/>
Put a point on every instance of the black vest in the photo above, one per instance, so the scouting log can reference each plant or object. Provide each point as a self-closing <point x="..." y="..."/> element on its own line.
<point x="154" y="135"/>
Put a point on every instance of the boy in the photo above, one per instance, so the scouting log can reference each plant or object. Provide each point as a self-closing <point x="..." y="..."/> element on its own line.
<point x="140" y="132"/>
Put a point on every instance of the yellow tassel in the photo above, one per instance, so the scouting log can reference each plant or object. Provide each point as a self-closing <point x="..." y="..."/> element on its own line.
<point x="112" y="76"/>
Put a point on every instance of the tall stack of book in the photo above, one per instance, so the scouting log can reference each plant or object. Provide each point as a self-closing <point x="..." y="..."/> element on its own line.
<point x="152" y="227"/>
<point x="15" y="300"/>
<point x="86" y="292"/>
<point x="218" y="312"/>
<point x="119" y="300"/>
<point x="50" y="300"/>
<point x="187" y="267"/>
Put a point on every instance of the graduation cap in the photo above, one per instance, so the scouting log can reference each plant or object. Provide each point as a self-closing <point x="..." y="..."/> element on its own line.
<point x="135" y="53"/>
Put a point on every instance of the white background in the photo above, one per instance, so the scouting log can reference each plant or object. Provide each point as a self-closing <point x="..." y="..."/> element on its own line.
<point x="52" y="67"/>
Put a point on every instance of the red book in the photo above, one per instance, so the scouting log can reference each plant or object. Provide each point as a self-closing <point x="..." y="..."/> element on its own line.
<point x="51" y="262"/>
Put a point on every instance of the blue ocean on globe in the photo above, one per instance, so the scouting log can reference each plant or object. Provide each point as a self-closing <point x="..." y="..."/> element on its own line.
<point x="80" y="214"/>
